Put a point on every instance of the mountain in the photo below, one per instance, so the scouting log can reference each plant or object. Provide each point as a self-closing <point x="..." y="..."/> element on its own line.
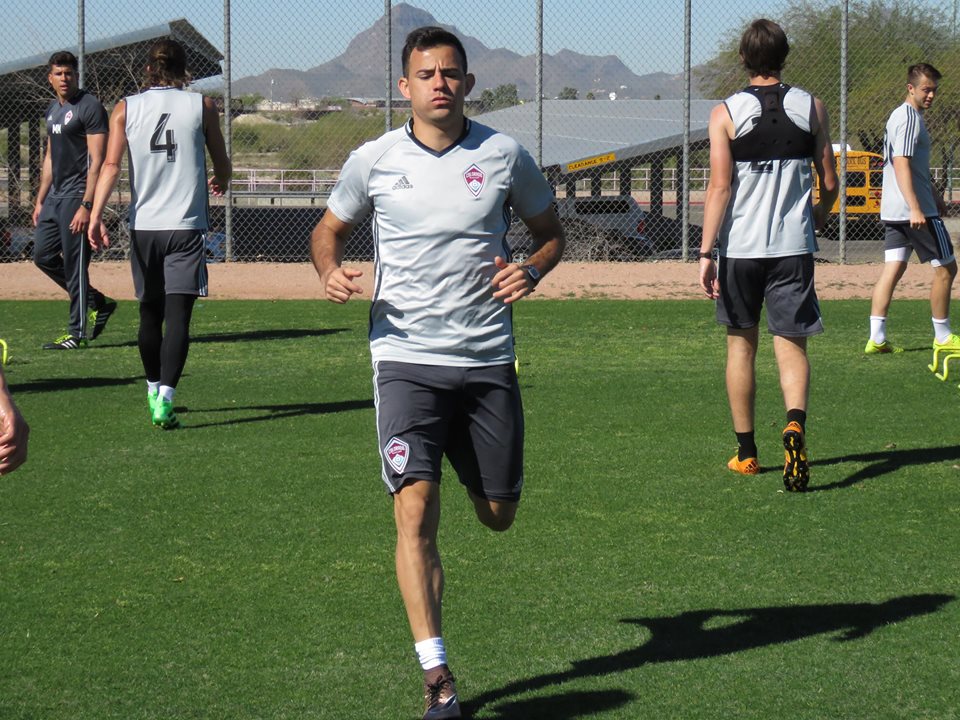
<point x="359" y="71"/>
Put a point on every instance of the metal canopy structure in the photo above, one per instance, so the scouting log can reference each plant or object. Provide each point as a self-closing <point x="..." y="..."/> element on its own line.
<point x="586" y="138"/>
<point x="113" y="69"/>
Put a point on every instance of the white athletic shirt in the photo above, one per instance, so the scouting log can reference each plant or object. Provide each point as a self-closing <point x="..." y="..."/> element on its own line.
<point x="168" y="171"/>
<point x="769" y="213"/>
<point x="439" y="221"/>
<point x="906" y="136"/>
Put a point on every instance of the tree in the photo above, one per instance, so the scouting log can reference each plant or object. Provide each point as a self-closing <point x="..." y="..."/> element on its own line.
<point x="591" y="96"/>
<point x="500" y="97"/>
<point x="567" y="93"/>
<point x="884" y="38"/>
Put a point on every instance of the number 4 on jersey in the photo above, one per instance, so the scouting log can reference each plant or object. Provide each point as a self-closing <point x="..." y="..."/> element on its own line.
<point x="169" y="147"/>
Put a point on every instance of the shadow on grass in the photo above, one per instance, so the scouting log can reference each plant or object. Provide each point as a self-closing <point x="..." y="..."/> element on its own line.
<point x="564" y="706"/>
<point x="54" y="384"/>
<point x="884" y="461"/>
<point x="700" y="634"/>
<point x="276" y="412"/>
<point x="248" y="336"/>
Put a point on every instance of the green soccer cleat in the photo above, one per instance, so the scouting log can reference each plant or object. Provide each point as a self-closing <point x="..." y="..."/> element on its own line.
<point x="152" y="396"/>
<point x="952" y="344"/>
<point x="884" y="348"/>
<point x="163" y="415"/>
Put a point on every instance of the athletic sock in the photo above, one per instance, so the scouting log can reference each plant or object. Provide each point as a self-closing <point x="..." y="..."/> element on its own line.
<point x="166" y="392"/>
<point x="431" y="653"/>
<point x="153" y="387"/>
<point x="799" y="417"/>
<point x="941" y="328"/>
<point x="746" y="445"/>
<point x="878" y="329"/>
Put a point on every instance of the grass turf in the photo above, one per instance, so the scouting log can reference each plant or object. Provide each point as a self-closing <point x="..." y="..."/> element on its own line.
<point x="242" y="567"/>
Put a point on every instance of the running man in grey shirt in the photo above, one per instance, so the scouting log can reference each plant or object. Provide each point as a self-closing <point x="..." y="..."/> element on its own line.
<point x="442" y="189"/>
<point x="76" y="142"/>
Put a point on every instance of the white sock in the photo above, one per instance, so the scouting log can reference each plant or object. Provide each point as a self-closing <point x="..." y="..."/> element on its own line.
<point x="431" y="653"/>
<point x="941" y="328"/>
<point x="166" y="392"/>
<point x="153" y="387"/>
<point x="878" y="329"/>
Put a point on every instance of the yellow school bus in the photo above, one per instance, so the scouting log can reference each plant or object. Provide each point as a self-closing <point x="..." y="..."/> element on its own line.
<point x="864" y="188"/>
<point x="864" y="185"/>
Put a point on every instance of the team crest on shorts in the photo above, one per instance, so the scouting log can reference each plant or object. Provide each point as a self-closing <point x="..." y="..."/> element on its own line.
<point x="397" y="453"/>
<point x="474" y="178"/>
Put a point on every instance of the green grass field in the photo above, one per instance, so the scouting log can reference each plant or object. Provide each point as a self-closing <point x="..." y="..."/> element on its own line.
<point x="243" y="566"/>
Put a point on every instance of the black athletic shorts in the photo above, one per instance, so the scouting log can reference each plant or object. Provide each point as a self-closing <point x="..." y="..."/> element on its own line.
<point x="473" y="415"/>
<point x="930" y="243"/>
<point x="168" y="262"/>
<point x="785" y="283"/>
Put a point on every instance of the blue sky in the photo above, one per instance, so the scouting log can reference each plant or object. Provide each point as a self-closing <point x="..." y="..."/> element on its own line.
<point x="647" y="35"/>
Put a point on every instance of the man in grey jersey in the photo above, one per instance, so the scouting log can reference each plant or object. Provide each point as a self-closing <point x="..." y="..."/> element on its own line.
<point x="165" y="131"/>
<point x="442" y="189"/>
<point x="763" y="141"/>
<point x="911" y="210"/>
<point x="76" y="140"/>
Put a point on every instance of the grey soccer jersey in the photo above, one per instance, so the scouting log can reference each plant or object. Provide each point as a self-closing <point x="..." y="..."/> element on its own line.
<point x="439" y="221"/>
<point x="906" y="136"/>
<point x="769" y="213"/>
<point x="67" y="127"/>
<point x="168" y="172"/>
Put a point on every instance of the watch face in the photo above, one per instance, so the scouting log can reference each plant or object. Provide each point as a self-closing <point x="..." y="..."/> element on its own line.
<point x="532" y="272"/>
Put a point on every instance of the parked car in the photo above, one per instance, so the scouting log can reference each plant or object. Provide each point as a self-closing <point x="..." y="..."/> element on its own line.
<point x="16" y="243"/>
<point x="606" y="227"/>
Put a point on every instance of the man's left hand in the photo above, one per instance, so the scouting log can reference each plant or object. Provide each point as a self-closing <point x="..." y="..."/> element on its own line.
<point x="510" y="283"/>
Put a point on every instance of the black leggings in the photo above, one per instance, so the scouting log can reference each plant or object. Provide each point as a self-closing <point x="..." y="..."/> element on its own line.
<point x="165" y="354"/>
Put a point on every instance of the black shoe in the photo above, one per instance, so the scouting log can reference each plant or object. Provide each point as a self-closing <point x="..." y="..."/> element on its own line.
<point x="796" y="469"/>
<point x="66" y="342"/>
<point x="101" y="315"/>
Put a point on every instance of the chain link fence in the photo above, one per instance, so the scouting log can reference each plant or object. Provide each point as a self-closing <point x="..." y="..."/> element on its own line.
<point x="626" y="89"/>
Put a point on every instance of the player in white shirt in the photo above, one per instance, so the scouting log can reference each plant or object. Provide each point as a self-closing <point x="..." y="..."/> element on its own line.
<point x="911" y="210"/>
<point x="441" y="190"/>
<point x="758" y="213"/>
<point x="164" y="130"/>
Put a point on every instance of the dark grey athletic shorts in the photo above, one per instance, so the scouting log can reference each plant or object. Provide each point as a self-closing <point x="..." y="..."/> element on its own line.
<point x="930" y="243"/>
<point x="786" y="283"/>
<point x="471" y="414"/>
<point x="168" y="262"/>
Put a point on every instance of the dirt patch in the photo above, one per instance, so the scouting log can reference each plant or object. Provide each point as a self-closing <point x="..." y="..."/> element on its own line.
<point x="632" y="281"/>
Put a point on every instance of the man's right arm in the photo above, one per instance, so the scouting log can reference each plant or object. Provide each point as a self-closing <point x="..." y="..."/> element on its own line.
<point x="326" y="250"/>
<point x="720" y="131"/>
<point x="901" y="169"/>
<point x="46" y="180"/>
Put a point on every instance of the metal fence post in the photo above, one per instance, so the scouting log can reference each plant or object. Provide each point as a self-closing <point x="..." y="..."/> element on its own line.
<point x="227" y="131"/>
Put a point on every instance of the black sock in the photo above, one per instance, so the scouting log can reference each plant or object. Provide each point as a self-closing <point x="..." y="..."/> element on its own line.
<point x="799" y="417"/>
<point x="746" y="445"/>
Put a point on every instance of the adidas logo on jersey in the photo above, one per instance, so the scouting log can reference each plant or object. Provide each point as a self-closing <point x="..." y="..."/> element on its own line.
<point x="403" y="184"/>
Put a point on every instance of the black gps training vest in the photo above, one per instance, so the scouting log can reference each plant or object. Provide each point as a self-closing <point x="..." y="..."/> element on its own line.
<point x="774" y="136"/>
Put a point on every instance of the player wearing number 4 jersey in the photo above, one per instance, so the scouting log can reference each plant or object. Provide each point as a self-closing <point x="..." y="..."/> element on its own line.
<point x="164" y="129"/>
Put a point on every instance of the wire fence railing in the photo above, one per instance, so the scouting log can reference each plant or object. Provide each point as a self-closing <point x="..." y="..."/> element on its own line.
<point x="611" y="98"/>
